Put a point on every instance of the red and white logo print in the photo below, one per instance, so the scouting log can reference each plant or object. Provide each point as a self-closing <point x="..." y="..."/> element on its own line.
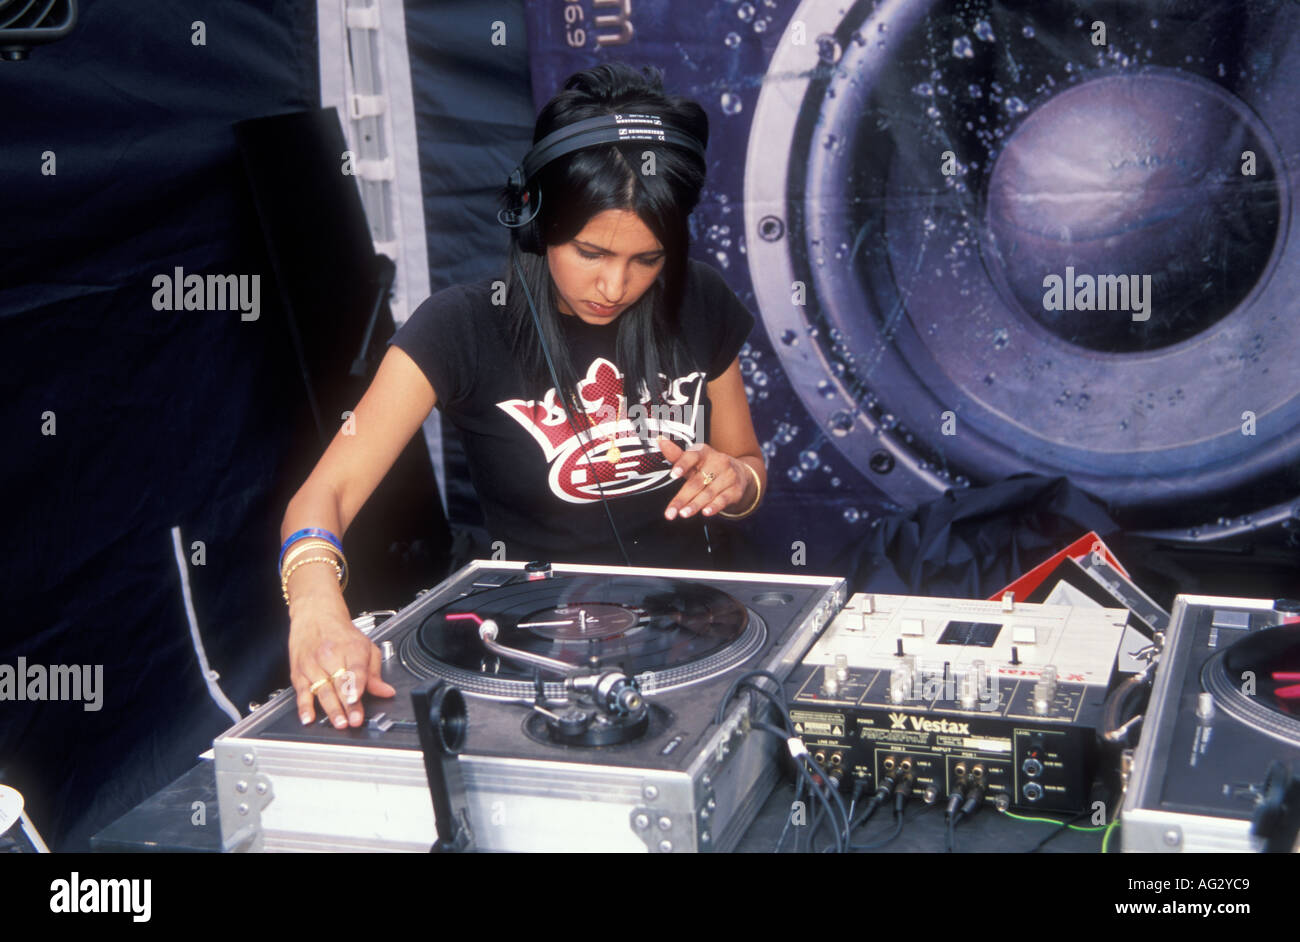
<point x="607" y="428"/>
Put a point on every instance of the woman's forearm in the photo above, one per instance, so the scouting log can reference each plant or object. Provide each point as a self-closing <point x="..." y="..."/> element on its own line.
<point x="313" y="506"/>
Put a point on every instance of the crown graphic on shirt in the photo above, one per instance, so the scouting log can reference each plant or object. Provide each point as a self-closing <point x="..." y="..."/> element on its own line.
<point x="602" y="412"/>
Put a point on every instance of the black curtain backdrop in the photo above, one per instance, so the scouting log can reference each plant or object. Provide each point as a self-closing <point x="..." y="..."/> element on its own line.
<point x="474" y="119"/>
<point x="161" y="418"/>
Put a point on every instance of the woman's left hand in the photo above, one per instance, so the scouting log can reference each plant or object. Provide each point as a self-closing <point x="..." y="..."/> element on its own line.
<point x="714" y="480"/>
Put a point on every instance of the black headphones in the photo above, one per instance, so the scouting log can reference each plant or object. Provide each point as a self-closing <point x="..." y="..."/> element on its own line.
<point x="590" y="132"/>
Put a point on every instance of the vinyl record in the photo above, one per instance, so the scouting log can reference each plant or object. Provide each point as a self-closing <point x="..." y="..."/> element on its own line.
<point x="665" y="632"/>
<point x="1253" y="681"/>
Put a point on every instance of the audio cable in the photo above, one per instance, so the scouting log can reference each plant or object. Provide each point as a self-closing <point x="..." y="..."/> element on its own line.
<point x="887" y="786"/>
<point x="821" y="788"/>
<point x="956" y="798"/>
<point x="902" y="793"/>
<point x="860" y="786"/>
<point x="974" y="798"/>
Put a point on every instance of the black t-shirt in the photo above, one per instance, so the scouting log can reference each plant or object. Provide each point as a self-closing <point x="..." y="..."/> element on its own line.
<point x="534" y="475"/>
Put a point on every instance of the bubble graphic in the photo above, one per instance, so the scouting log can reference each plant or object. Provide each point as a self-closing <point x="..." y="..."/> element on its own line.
<point x="829" y="49"/>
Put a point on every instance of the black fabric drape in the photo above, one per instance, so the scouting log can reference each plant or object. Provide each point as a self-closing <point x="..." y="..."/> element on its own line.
<point x="162" y="418"/>
<point x="971" y="543"/>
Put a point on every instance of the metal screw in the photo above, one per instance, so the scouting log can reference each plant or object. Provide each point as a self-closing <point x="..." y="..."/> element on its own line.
<point x="247" y="758"/>
<point x="666" y="847"/>
<point x="770" y="228"/>
<point x="261" y="788"/>
<point x="242" y="809"/>
<point x="1173" y="837"/>
<point x="642" y="821"/>
<point x="241" y="786"/>
<point x="665" y="823"/>
<point x="650" y="792"/>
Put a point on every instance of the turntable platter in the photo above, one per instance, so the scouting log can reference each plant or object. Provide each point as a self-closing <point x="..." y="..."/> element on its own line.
<point x="665" y="632"/>
<point x="1253" y="681"/>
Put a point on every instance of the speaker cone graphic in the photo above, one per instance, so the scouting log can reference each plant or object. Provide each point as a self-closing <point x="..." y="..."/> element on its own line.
<point x="984" y="243"/>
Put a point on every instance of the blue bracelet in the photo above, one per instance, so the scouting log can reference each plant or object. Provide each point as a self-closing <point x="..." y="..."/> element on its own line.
<point x="306" y="532"/>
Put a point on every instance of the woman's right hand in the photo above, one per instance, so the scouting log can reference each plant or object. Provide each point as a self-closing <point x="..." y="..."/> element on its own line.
<point x="325" y="645"/>
<point x="322" y="638"/>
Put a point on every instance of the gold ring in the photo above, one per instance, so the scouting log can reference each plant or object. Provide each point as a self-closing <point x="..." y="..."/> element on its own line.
<point x="708" y="477"/>
<point x="338" y="673"/>
<point x="316" y="686"/>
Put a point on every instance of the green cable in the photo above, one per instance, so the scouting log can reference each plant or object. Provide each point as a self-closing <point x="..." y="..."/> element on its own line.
<point x="1105" y="838"/>
<point x="1072" y="827"/>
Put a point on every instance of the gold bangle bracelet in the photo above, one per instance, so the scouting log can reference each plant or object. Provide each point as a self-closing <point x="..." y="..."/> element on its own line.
<point x="284" y="583"/>
<point x="305" y="546"/>
<point x="758" y="496"/>
<point x="302" y="547"/>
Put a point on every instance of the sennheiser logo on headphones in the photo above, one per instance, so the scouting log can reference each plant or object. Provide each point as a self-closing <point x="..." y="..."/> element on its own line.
<point x="648" y="134"/>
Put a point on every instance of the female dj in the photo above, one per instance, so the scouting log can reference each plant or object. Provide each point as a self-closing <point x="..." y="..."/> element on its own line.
<point x="595" y="382"/>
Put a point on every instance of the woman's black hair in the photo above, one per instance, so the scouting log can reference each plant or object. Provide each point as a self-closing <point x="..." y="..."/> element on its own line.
<point x="582" y="184"/>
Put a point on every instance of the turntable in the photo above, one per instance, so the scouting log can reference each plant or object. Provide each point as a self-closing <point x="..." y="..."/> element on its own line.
<point x="1221" y="737"/>
<point x="591" y="696"/>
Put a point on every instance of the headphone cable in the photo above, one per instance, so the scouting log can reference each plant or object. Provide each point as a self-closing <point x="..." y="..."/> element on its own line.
<point x="559" y="392"/>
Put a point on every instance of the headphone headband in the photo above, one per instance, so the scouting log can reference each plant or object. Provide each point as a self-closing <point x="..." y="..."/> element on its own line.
<point x="603" y="129"/>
